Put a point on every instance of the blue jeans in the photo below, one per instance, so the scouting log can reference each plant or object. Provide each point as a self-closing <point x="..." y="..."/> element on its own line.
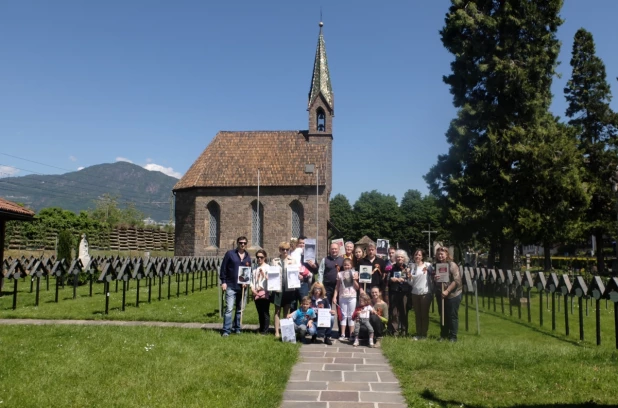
<point x="302" y="330"/>
<point x="324" y="331"/>
<point x="233" y="298"/>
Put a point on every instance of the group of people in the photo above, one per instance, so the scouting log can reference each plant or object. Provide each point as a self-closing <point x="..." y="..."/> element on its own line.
<point x="366" y="310"/>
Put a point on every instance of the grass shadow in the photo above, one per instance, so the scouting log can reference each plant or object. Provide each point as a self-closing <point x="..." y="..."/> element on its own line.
<point x="430" y="396"/>
<point x="533" y="328"/>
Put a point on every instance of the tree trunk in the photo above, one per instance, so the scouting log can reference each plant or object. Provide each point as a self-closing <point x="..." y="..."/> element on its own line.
<point x="491" y="256"/>
<point x="507" y="246"/>
<point x="547" y="257"/>
<point x="599" y="254"/>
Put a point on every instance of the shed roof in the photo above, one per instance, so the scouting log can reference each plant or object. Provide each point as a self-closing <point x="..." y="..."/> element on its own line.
<point x="11" y="211"/>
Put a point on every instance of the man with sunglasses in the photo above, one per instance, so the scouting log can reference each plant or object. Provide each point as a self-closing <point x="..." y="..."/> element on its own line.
<point x="228" y="274"/>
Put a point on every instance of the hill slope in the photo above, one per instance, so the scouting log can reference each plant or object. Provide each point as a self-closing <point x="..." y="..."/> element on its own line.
<point x="77" y="191"/>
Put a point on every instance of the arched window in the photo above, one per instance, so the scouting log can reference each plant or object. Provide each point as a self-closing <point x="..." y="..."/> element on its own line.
<point x="298" y="218"/>
<point x="257" y="224"/>
<point x="321" y="118"/>
<point x="214" y="224"/>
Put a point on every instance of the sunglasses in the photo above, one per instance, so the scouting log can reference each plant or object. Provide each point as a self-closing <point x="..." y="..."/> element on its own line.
<point x="242" y="243"/>
<point x="284" y="249"/>
<point x="259" y="257"/>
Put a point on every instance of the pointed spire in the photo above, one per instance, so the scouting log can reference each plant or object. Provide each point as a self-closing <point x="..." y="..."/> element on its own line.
<point x="320" y="81"/>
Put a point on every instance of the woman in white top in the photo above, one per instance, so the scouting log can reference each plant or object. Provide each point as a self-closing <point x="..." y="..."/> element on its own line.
<point x="421" y="281"/>
<point x="259" y="284"/>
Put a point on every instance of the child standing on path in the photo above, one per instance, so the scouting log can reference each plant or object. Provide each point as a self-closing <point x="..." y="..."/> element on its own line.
<point x="303" y="319"/>
<point x="362" y="314"/>
<point x="347" y="289"/>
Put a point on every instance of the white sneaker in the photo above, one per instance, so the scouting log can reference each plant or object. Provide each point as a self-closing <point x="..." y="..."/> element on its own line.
<point x="342" y="338"/>
<point x="355" y="343"/>
<point x="371" y="343"/>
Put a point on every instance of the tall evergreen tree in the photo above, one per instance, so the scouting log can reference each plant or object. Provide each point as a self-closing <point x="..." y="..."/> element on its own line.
<point x="588" y="94"/>
<point x="505" y="58"/>
<point x="342" y="218"/>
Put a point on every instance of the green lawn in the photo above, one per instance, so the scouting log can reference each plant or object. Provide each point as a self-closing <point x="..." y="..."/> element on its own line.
<point x="80" y="366"/>
<point x="512" y="362"/>
<point x="199" y="306"/>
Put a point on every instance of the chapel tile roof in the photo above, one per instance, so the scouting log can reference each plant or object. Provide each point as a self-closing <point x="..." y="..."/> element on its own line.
<point x="232" y="159"/>
<point x="10" y="208"/>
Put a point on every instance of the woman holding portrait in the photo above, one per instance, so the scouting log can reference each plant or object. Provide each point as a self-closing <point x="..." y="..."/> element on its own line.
<point x="284" y="298"/>
<point x="259" y="284"/>
<point x="451" y="293"/>
<point x="399" y="290"/>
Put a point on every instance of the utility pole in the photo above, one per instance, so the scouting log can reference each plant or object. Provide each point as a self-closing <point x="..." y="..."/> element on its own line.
<point x="429" y="231"/>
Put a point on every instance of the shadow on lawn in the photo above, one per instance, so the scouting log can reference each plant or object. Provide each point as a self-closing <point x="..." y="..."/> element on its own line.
<point x="537" y="329"/>
<point x="430" y="396"/>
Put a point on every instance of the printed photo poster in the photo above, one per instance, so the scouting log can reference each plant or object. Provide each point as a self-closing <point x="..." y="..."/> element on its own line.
<point x="382" y="247"/>
<point x="347" y="279"/>
<point x="323" y="317"/>
<point x="292" y="275"/>
<point x="365" y="274"/>
<point x="244" y="275"/>
<point x="310" y="249"/>
<point x="274" y="278"/>
<point x="287" y="331"/>
<point x="442" y="272"/>
<point x="339" y="241"/>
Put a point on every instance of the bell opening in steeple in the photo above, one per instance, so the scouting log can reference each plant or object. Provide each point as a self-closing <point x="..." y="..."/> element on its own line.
<point x="320" y="120"/>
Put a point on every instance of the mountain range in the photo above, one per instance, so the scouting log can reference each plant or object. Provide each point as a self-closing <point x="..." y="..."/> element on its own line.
<point x="150" y="191"/>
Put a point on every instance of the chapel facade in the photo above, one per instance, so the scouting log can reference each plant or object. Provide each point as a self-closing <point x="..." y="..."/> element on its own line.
<point x="239" y="186"/>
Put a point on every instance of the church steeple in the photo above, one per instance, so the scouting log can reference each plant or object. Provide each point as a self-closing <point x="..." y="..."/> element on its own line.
<point x="321" y="105"/>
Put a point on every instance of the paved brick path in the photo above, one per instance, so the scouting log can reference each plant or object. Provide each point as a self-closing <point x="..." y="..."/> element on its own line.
<point x="342" y="376"/>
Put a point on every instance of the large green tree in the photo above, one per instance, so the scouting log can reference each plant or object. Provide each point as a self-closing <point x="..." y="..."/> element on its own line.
<point x="377" y="215"/>
<point x="588" y="94"/>
<point x="341" y="217"/>
<point x="419" y="214"/>
<point x="557" y="197"/>
<point x="505" y="57"/>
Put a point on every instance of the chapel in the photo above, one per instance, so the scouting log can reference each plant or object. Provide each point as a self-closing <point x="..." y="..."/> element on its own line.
<point x="238" y="186"/>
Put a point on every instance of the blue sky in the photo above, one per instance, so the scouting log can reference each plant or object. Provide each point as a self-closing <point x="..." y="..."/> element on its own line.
<point x="150" y="81"/>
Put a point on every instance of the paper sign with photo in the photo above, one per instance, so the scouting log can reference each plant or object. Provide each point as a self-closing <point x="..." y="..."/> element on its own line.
<point x="347" y="279"/>
<point x="397" y="274"/>
<point x="339" y="241"/>
<point x="274" y="278"/>
<point x="442" y="272"/>
<point x="382" y="247"/>
<point x="324" y="318"/>
<point x="293" y="280"/>
<point x="287" y="331"/>
<point x="365" y="274"/>
<point x="309" y="249"/>
<point x="244" y="275"/>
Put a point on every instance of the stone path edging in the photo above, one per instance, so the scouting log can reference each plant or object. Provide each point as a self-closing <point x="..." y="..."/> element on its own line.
<point x="39" y="322"/>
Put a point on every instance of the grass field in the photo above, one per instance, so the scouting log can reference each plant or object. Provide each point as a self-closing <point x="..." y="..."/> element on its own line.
<point x="512" y="362"/>
<point x="80" y="366"/>
<point x="199" y="306"/>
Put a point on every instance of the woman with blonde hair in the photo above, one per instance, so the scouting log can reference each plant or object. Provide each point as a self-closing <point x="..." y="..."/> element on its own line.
<point x="318" y="301"/>
<point x="284" y="298"/>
